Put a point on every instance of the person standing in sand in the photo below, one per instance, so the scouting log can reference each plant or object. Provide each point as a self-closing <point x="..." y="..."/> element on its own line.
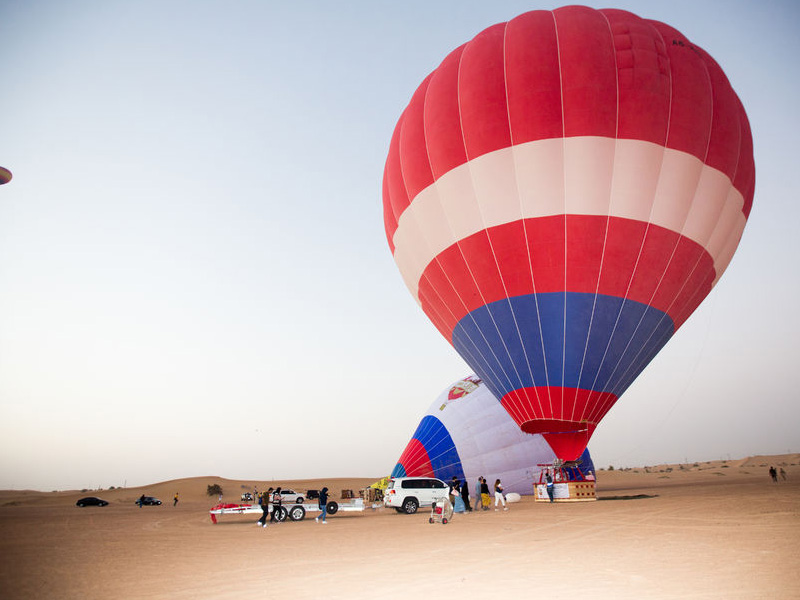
<point x="465" y="495"/>
<point x="478" y="497"/>
<point x="175" y="499"/>
<point x="453" y="490"/>
<point x="263" y="501"/>
<point x="498" y="495"/>
<point x="774" y="474"/>
<point x="783" y="474"/>
<point x="323" y="505"/>
<point x="276" y="505"/>
<point x="549" y="483"/>
<point x="485" y="493"/>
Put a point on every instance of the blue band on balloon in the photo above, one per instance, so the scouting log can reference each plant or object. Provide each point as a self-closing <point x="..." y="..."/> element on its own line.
<point x="607" y="343"/>
<point x="441" y="449"/>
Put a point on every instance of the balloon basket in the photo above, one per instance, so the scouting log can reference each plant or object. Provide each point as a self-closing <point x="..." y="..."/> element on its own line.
<point x="570" y="483"/>
<point x="571" y="491"/>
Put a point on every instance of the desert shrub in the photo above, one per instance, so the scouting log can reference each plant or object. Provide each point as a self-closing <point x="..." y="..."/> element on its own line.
<point x="610" y="467"/>
<point x="214" y="490"/>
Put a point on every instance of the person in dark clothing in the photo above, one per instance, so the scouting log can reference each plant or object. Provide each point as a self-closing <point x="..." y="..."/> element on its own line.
<point x="323" y="505"/>
<point x="276" y="505"/>
<point x="485" y="493"/>
<point x="263" y="502"/>
<point x="549" y="483"/>
<point x="465" y="495"/>
<point x="774" y="474"/>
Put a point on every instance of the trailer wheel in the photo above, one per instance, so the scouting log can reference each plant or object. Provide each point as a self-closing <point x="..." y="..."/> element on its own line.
<point x="297" y="513"/>
<point x="280" y="514"/>
<point x="333" y="508"/>
<point x="444" y="521"/>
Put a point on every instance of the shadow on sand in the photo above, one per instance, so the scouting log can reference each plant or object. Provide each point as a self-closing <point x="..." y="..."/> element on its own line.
<point x="636" y="497"/>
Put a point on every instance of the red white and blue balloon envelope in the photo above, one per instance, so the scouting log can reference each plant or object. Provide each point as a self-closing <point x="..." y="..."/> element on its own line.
<point x="466" y="433"/>
<point x="560" y="194"/>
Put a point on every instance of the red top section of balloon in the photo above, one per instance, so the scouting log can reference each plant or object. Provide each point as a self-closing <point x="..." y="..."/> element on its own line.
<point x="573" y="71"/>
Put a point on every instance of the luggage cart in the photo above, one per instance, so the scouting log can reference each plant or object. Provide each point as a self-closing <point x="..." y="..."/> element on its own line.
<point x="441" y="511"/>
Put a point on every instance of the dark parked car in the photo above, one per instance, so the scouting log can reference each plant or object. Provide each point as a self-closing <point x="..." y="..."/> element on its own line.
<point x="91" y="501"/>
<point x="148" y="501"/>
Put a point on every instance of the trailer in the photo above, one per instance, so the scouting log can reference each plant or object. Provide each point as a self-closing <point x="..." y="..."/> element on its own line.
<point x="292" y="512"/>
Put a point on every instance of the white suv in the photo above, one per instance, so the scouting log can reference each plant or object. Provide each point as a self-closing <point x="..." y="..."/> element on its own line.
<point x="291" y="496"/>
<point x="407" y="494"/>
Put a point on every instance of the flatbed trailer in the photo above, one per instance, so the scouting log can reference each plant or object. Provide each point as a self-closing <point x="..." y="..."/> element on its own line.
<point x="294" y="512"/>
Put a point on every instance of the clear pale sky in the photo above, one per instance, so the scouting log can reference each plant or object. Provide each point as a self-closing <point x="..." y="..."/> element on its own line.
<point x="194" y="276"/>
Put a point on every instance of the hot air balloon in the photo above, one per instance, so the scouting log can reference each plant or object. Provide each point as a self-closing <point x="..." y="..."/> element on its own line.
<point x="5" y="175"/>
<point x="560" y="194"/>
<point x="466" y="433"/>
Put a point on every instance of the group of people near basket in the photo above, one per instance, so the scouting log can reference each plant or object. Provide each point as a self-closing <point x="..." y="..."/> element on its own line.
<point x="460" y="498"/>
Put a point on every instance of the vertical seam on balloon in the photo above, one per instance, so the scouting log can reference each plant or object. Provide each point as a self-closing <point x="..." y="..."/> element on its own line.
<point x="484" y="229"/>
<point x="528" y="414"/>
<point x="597" y="409"/>
<point x="628" y="378"/>
<point x="533" y="283"/>
<point x="690" y="300"/>
<point x="439" y="443"/>
<point x="436" y="258"/>
<point x="593" y="414"/>
<point x="680" y="238"/>
<point x="732" y="177"/>
<point x="420" y="455"/>
<point x="400" y="166"/>
<point x="605" y="236"/>
<point x="413" y="455"/>
<point x="639" y="361"/>
<point x="564" y="152"/>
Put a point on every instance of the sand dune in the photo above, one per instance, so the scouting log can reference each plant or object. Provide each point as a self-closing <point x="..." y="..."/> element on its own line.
<point x="718" y="529"/>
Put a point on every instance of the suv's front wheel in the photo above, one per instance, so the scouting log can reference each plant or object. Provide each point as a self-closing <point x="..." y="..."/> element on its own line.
<point x="410" y="506"/>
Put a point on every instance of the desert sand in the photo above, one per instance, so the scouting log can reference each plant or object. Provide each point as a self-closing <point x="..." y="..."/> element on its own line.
<point x="704" y="530"/>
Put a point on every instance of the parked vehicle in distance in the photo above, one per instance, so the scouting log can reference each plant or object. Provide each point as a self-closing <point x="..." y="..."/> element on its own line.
<point x="292" y="496"/>
<point x="407" y="494"/>
<point x="91" y="501"/>
<point x="148" y="501"/>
